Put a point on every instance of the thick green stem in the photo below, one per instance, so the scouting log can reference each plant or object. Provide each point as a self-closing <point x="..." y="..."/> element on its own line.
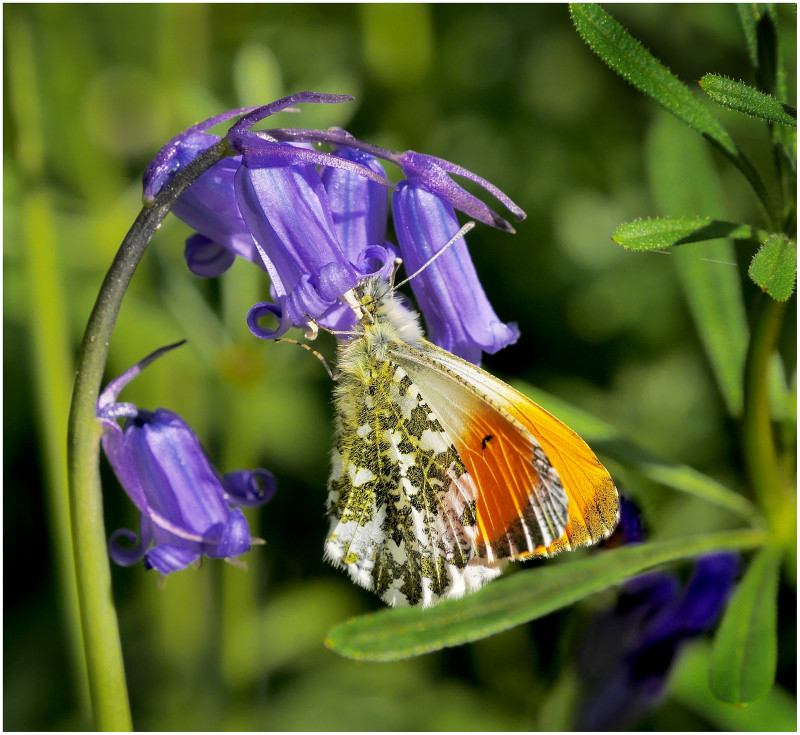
<point x="766" y="481"/>
<point x="102" y="649"/>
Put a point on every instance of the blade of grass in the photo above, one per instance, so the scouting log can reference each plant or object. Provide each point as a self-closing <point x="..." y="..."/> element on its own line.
<point x="48" y="330"/>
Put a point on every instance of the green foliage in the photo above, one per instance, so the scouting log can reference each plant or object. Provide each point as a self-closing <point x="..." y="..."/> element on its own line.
<point x="626" y="56"/>
<point x="684" y="181"/>
<point x="664" y="232"/>
<point x="390" y="635"/>
<point x="689" y="685"/>
<point x="744" y="660"/>
<point x="633" y="62"/>
<point x="746" y="647"/>
<point x="774" y="267"/>
<point x="746" y="99"/>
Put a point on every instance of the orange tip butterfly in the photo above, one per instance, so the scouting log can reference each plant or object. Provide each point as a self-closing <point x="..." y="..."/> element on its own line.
<point x="441" y="472"/>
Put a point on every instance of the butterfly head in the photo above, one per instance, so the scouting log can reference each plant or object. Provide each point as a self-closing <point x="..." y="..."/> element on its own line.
<point x="380" y="309"/>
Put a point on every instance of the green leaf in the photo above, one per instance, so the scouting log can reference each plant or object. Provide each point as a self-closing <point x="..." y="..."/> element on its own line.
<point x="744" y="98"/>
<point x="688" y="685"/>
<point x="626" y="56"/>
<point x="684" y="182"/>
<point x="518" y="598"/>
<point x="774" y="267"/>
<point x="746" y="647"/>
<point x="609" y="443"/>
<point x="748" y="17"/>
<point x="664" y="232"/>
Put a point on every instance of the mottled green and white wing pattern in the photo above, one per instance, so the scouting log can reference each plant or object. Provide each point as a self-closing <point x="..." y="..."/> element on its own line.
<point x="402" y="505"/>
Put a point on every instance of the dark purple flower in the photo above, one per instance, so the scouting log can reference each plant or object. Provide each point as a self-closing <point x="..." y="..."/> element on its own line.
<point x="186" y="506"/>
<point x="434" y="175"/>
<point x="208" y="205"/>
<point x="429" y="171"/>
<point x="458" y="314"/>
<point x="626" y="653"/>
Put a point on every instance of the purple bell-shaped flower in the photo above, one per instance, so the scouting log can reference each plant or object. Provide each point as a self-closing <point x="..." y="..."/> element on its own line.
<point x="187" y="508"/>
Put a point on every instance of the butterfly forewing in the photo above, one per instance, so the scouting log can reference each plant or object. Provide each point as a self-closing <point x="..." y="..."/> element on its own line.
<point x="514" y="449"/>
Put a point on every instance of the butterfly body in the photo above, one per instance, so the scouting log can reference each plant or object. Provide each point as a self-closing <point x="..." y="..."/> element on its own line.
<point x="441" y="472"/>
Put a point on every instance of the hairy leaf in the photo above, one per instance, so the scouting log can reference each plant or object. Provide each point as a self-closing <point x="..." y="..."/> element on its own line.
<point x="664" y="232"/>
<point x="400" y="633"/>
<point x="744" y="98"/>
<point x="626" y="56"/>
<point x="774" y="267"/>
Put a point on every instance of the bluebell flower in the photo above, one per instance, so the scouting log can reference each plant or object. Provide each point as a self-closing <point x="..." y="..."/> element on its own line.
<point x="187" y="509"/>
<point x="457" y="313"/>
<point x="317" y="223"/>
<point x="360" y="209"/>
<point x="289" y="215"/>
<point x="626" y="653"/>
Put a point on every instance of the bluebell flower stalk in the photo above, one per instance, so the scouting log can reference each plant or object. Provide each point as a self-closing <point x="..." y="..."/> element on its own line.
<point x="187" y="509"/>
<point x="169" y="178"/>
<point x="318" y="221"/>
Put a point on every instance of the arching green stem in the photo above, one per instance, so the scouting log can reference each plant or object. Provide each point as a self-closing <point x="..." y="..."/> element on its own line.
<point x="102" y="649"/>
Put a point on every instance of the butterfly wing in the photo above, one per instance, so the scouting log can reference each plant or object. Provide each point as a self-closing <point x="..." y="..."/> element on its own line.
<point x="540" y="488"/>
<point x="403" y="520"/>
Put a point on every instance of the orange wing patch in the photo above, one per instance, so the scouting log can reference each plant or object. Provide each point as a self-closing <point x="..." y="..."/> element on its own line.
<point x="593" y="500"/>
<point x="521" y="509"/>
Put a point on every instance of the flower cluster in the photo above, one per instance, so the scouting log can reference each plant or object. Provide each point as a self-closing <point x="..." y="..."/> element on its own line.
<point x="317" y="223"/>
<point x="186" y="506"/>
<point x="627" y="652"/>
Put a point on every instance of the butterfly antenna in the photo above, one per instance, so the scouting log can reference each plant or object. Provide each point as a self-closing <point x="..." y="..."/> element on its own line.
<point x="312" y="351"/>
<point x="452" y="241"/>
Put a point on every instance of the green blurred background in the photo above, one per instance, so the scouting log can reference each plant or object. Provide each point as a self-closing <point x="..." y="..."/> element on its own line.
<point x="509" y="91"/>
